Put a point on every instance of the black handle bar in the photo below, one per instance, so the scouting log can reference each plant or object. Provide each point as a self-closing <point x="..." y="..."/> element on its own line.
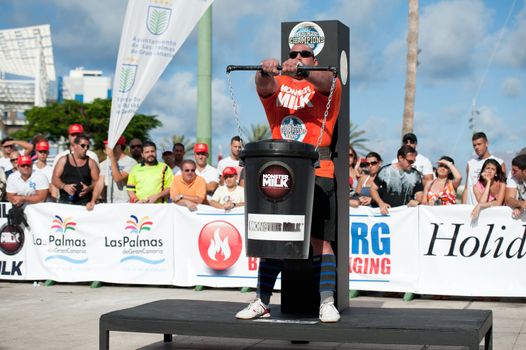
<point x="334" y="71"/>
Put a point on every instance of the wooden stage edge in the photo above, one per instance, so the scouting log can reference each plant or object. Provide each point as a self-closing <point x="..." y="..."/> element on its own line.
<point x="357" y="325"/>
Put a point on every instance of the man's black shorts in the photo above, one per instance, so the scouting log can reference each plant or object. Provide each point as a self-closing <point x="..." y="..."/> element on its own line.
<point x="324" y="210"/>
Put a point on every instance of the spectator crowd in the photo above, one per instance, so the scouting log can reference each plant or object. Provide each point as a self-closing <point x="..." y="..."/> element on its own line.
<point x="131" y="173"/>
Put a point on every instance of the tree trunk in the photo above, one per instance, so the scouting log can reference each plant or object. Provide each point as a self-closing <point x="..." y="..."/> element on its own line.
<point x="412" y="61"/>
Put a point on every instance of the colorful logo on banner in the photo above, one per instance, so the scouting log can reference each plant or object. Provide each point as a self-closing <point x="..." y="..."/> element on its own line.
<point x="219" y="244"/>
<point x="11" y="239"/>
<point x="276" y="181"/>
<point x="158" y="19"/>
<point x="308" y="33"/>
<point x="138" y="244"/>
<point x="63" y="243"/>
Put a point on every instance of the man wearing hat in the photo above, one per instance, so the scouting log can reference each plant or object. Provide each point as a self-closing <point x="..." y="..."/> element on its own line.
<point x="422" y="163"/>
<point x="229" y="195"/>
<point x="74" y="131"/>
<point x="114" y="178"/>
<point x="26" y="186"/>
<point x="42" y="152"/>
<point x="205" y="170"/>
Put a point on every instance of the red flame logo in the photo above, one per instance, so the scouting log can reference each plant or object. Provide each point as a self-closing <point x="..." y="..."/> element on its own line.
<point x="219" y="244"/>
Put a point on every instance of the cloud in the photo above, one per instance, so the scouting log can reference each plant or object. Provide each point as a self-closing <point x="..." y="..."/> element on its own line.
<point x="448" y="37"/>
<point x="511" y="87"/>
<point x="512" y="50"/>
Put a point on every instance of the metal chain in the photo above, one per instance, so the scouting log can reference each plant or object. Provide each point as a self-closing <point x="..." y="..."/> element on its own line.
<point x="234" y="105"/>
<point x="326" y="113"/>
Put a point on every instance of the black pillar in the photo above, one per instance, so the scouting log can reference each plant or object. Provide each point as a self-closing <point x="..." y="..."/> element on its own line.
<point x="330" y="41"/>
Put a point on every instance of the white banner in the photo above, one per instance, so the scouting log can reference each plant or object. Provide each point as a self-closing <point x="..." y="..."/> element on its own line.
<point x="381" y="249"/>
<point x="461" y="257"/>
<point x="426" y="250"/>
<point x="152" y="33"/>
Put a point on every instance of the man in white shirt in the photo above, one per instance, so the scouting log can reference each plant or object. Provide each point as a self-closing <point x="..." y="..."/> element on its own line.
<point x="516" y="186"/>
<point x="42" y="152"/>
<point x="474" y="166"/>
<point x="114" y="179"/>
<point x="205" y="170"/>
<point x="26" y="186"/>
<point x="422" y="163"/>
<point x="229" y="195"/>
<point x="233" y="159"/>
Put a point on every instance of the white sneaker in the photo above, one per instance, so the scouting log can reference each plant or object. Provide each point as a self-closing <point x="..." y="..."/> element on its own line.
<point x="329" y="312"/>
<point x="255" y="309"/>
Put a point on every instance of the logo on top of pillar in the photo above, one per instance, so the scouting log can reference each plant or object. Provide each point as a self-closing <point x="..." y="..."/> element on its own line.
<point x="308" y="33"/>
<point x="11" y="239"/>
<point x="275" y="181"/>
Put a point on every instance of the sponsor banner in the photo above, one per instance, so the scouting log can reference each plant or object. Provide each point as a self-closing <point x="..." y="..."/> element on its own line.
<point x="381" y="249"/>
<point x="210" y="250"/>
<point x="152" y="33"/>
<point x="117" y="243"/>
<point x="458" y="256"/>
<point x="12" y="248"/>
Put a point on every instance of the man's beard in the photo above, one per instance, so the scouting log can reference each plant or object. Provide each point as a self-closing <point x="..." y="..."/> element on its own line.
<point x="150" y="160"/>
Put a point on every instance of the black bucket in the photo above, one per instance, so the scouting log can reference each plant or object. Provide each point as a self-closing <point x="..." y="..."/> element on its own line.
<point x="279" y="191"/>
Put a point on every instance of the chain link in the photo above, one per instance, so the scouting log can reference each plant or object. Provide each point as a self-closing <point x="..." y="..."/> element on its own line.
<point x="236" y="114"/>
<point x="326" y="113"/>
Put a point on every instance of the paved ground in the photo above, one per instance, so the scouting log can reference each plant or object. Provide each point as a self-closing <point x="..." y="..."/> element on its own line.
<point x="66" y="316"/>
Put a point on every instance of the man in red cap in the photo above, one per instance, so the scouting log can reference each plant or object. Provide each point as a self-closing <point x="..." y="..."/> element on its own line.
<point x="26" y="186"/>
<point x="42" y="152"/>
<point x="229" y="195"/>
<point x="120" y="166"/>
<point x="205" y="170"/>
<point x="74" y="131"/>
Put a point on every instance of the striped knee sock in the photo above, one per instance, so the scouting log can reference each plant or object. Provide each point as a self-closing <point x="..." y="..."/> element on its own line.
<point x="268" y="272"/>
<point x="325" y="270"/>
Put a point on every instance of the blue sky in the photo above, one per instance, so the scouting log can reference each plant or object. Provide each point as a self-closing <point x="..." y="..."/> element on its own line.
<point x="469" y="49"/>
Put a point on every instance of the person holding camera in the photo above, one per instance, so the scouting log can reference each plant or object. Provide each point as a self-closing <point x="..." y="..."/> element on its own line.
<point x="75" y="174"/>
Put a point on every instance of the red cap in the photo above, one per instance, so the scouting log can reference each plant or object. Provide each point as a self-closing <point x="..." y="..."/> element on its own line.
<point x="42" y="146"/>
<point x="201" y="148"/>
<point x="229" y="171"/>
<point x="120" y="141"/>
<point x="22" y="160"/>
<point x="75" y="129"/>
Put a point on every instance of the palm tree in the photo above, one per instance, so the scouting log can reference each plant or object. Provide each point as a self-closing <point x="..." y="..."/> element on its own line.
<point x="356" y="140"/>
<point x="258" y="132"/>
<point x="167" y="144"/>
<point x="412" y="61"/>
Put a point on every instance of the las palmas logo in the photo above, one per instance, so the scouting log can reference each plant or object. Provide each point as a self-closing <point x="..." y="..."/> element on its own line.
<point x="137" y="247"/>
<point x="137" y="227"/>
<point x="63" y="226"/>
<point x="158" y="19"/>
<point x="63" y="244"/>
<point x="127" y="78"/>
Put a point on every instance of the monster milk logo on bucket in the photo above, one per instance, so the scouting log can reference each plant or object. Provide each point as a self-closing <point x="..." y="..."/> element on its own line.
<point x="158" y="19"/>
<point x="308" y="33"/>
<point x="276" y="181"/>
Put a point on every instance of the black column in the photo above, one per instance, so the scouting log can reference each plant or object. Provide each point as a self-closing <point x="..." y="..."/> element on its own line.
<point x="330" y="41"/>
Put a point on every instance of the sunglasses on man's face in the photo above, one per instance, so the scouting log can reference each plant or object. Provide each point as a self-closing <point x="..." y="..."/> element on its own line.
<point x="13" y="159"/>
<point x="75" y="134"/>
<point x="189" y="170"/>
<point x="135" y="146"/>
<point x="302" y="53"/>
<point x="84" y="145"/>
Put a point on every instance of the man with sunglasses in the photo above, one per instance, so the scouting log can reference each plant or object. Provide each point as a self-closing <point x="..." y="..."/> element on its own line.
<point x="187" y="188"/>
<point x="295" y="103"/>
<point x="136" y="149"/>
<point x="398" y="183"/>
<point x="75" y="130"/>
<point x="75" y="174"/>
<point x="26" y="186"/>
<point x="422" y="163"/>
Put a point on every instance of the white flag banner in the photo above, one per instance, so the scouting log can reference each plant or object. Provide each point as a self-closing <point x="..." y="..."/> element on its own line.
<point x="152" y="34"/>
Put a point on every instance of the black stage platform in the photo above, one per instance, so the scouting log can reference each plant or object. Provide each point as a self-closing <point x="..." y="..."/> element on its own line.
<point x="358" y="325"/>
